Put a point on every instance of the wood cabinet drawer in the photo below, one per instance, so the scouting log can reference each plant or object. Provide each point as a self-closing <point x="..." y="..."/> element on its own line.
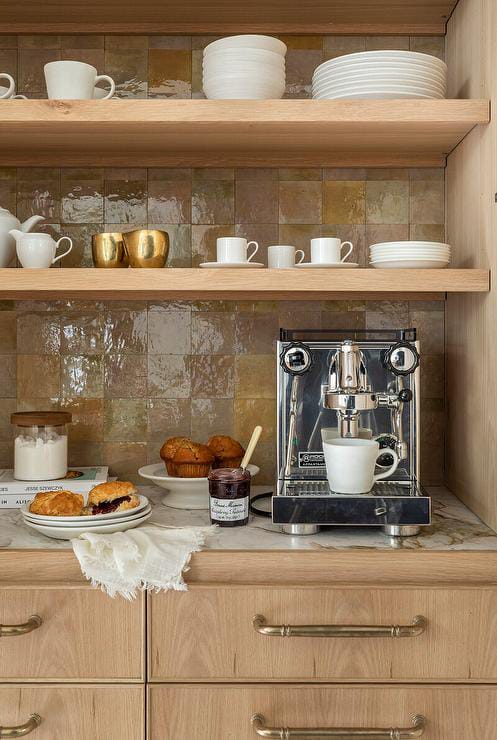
<point x="84" y="635"/>
<point x="102" y="712"/>
<point x="224" y="712"/>
<point x="207" y="634"/>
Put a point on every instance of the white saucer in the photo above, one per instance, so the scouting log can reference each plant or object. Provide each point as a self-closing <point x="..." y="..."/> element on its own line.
<point x="232" y="264"/>
<point x="61" y="520"/>
<point x="316" y="265"/>
<point x="69" y="533"/>
<point x="183" y="493"/>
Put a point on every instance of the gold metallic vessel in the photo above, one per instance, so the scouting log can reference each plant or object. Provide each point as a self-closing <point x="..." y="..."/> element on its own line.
<point x="108" y="250"/>
<point x="146" y="247"/>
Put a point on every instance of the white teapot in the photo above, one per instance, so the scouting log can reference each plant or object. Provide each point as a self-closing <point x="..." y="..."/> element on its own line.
<point x="8" y="222"/>
<point x="38" y="250"/>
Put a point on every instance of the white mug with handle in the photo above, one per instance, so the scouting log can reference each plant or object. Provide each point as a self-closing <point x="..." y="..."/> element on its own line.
<point x="233" y="249"/>
<point x="7" y="92"/>
<point x="70" y="80"/>
<point x="38" y="250"/>
<point x="282" y="256"/>
<point x="350" y="464"/>
<point x="328" y="250"/>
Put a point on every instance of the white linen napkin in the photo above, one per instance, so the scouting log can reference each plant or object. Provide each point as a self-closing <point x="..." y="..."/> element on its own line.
<point x="148" y="557"/>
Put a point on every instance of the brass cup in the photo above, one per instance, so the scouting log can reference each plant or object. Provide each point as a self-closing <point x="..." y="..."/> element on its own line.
<point x="146" y="247"/>
<point x="108" y="250"/>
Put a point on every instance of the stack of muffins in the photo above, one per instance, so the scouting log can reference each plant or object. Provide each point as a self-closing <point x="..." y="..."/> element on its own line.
<point x="187" y="459"/>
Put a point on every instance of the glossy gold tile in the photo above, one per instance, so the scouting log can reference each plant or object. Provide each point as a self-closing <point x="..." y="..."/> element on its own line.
<point x="256" y="333"/>
<point x="8" y="332"/>
<point x="299" y="235"/>
<point x="125" y="420"/>
<point x="30" y="75"/>
<point x="427" y="232"/>
<point x="255" y="376"/>
<point x="124" y="459"/>
<point x="169" y="201"/>
<point x="128" y="67"/>
<point x="125" y="331"/>
<point x="180" y="243"/>
<point x="376" y="233"/>
<point x="300" y="65"/>
<point x="80" y="234"/>
<point x="344" y="202"/>
<point x="125" y="376"/>
<point x="82" y="375"/>
<point x="167" y="417"/>
<point x="249" y="412"/>
<point x="337" y="46"/>
<point x="434" y="45"/>
<point x="126" y="196"/>
<point x="380" y="43"/>
<point x="211" y="416"/>
<point x="212" y="202"/>
<point x="87" y="423"/>
<point x="169" y="332"/>
<point x="82" y="334"/>
<point x="8" y="63"/>
<point x="38" y="376"/>
<point x="212" y="376"/>
<point x="204" y="242"/>
<point x="86" y="454"/>
<point x="82" y="41"/>
<point x="355" y="233"/>
<point x="303" y="42"/>
<point x="38" y="192"/>
<point x="213" y="333"/>
<point x="256" y="201"/>
<point x="300" y="202"/>
<point x="387" y="202"/>
<point x="169" y="376"/>
<point x="38" y="333"/>
<point x="8" y="386"/>
<point x="300" y="173"/>
<point x="82" y="199"/>
<point x="430" y="327"/>
<point x="170" y="73"/>
<point x="427" y="202"/>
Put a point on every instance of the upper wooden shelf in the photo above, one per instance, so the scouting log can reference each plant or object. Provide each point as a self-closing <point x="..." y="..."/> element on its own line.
<point x="278" y="133"/>
<point x="227" y="16"/>
<point x="197" y="283"/>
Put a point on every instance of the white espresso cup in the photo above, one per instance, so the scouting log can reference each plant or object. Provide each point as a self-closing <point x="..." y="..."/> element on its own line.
<point x="234" y="249"/>
<point x="7" y="92"/>
<point x="328" y="250"/>
<point x="350" y="464"/>
<point x="69" y="80"/>
<point x="282" y="256"/>
<point x="39" y="250"/>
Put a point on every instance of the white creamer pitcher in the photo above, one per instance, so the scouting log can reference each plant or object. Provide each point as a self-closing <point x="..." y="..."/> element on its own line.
<point x="38" y="250"/>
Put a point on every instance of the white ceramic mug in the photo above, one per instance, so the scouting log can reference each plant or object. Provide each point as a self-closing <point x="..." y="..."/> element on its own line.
<point x="283" y="255"/>
<point x="38" y="250"/>
<point x="234" y="249"/>
<point x="328" y="250"/>
<point x="350" y="464"/>
<point x="68" y="80"/>
<point x="7" y="92"/>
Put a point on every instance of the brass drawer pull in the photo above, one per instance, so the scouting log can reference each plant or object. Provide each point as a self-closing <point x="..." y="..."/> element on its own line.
<point x="13" y="630"/>
<point x="417" y="627"/>
<point x="33" y="722"/>
<point x="359" y="733"/>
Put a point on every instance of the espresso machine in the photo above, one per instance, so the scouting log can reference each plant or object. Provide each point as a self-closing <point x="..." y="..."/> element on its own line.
<point x="334" y="383"/>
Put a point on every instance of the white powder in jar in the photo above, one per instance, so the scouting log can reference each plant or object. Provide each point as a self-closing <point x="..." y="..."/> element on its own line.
<point x="40" y="458"/>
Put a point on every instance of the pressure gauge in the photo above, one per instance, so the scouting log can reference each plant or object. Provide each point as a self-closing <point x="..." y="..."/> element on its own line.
<point x="401" y="358"/>
<point x="296" y="359"/>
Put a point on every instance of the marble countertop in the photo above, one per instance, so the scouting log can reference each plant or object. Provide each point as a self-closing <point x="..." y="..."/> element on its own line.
<point x="454" y="528"/>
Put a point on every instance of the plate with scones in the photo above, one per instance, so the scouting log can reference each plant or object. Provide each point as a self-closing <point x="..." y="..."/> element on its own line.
<point x="113" y="506"/>
<point x="186" y="465"/>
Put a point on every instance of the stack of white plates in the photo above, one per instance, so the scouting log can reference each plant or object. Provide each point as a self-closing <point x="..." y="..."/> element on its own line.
<point x="68" y="527"/>
<point x="381" y="75"/>
<point x="410" y="254"/>
<point x="247" y="67"/>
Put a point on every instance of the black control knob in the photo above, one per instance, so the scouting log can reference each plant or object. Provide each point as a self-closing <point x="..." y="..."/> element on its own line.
<point x="401" y="358"/>
<point x="405" y="395"/>
<point x="296" y="358"/>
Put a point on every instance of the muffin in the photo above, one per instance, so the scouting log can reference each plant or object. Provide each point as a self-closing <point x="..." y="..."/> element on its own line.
<point x="169" y="449"/>
<point x="228" y="453"/>
<point x="192" y="460"/>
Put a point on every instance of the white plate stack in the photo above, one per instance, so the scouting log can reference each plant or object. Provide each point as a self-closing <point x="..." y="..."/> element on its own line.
<point x="68" y="527"/>
<point x="248" y="67"/>
<point x="416" y="254"/>
<point x="380" y="75"/>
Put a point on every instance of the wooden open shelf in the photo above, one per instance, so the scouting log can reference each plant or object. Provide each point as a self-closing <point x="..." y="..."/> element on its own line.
<point x="197" y="283"/>
<point x="284" y="133"/>
<point x="227" y="16"/>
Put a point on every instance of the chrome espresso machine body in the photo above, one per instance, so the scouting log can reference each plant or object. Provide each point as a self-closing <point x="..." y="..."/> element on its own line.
<point x="348" y="384"/>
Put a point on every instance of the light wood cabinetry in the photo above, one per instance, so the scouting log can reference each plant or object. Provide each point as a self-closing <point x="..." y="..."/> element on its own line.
<point x="224" y="712"/>
<point x="83" y="635"/>
<point x="215" y="639"/>
<point x="76" y="712"/>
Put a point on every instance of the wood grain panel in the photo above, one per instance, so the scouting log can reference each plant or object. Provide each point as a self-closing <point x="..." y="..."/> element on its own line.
<point x="214" y="638"/>
<point x="219" y="132"/>
<point x="279" y="567"/>
<point x="85" y="635"/>
<point x="206" y="17"/>
<point x="76" y="713"/>
<point x="223" y="712"/>
<point x="196" y="283"/>
<point x="472" y="230"/>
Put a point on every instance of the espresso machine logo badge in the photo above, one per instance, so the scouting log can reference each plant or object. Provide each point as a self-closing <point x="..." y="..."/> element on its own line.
<point x="311" y="460"/>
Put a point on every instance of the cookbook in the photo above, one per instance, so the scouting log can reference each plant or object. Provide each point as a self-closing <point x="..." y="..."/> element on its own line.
<point x="16" y="493"/>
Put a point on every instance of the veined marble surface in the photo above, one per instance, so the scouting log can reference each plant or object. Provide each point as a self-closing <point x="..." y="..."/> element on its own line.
<point x="454" y="528"/>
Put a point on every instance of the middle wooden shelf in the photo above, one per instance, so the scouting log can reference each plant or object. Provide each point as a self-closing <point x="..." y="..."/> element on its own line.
<point x="231" y="133"/>
<point x="196" y="283"/>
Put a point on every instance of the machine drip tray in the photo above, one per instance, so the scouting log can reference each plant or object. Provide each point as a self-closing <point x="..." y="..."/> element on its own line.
<point x="389" y="504"/>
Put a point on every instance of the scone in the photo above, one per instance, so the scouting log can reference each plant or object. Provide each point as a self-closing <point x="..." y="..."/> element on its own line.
<point x="193" y="460"/>
<point x="57" y="503"/>
<point x="169" y="449"/>
<point x="109" y="497"/>
<point x="228" y="452"/>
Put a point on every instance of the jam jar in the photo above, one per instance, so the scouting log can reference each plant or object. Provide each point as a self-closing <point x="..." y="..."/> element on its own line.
<point x="40" y="444"/>
<point x="229" y="496"/>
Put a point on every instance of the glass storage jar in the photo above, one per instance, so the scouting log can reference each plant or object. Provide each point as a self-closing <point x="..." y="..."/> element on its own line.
<point x="229" y="496"/>
<point x="40" y="444"/>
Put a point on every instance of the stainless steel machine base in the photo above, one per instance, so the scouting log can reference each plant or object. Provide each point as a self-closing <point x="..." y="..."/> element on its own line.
<point x="393" y="530"/>
<point x="300" y="529"/>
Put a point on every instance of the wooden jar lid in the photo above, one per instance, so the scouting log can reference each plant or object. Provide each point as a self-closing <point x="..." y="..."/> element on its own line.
<point x="40" y="418"/>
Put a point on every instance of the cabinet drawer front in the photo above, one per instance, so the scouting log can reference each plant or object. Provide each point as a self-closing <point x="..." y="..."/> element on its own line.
<point x="84" y="635"/>
<point x="72" y="713"/>
<point x="208" y="634"/>
<point x="224" y="712"/>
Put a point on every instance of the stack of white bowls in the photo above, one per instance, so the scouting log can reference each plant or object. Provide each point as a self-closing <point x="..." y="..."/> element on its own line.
<point x="381" y="75"/>
<point x="69" y="527"/>
<point x="249" y="67"/>
<point x="416" y="254"/>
